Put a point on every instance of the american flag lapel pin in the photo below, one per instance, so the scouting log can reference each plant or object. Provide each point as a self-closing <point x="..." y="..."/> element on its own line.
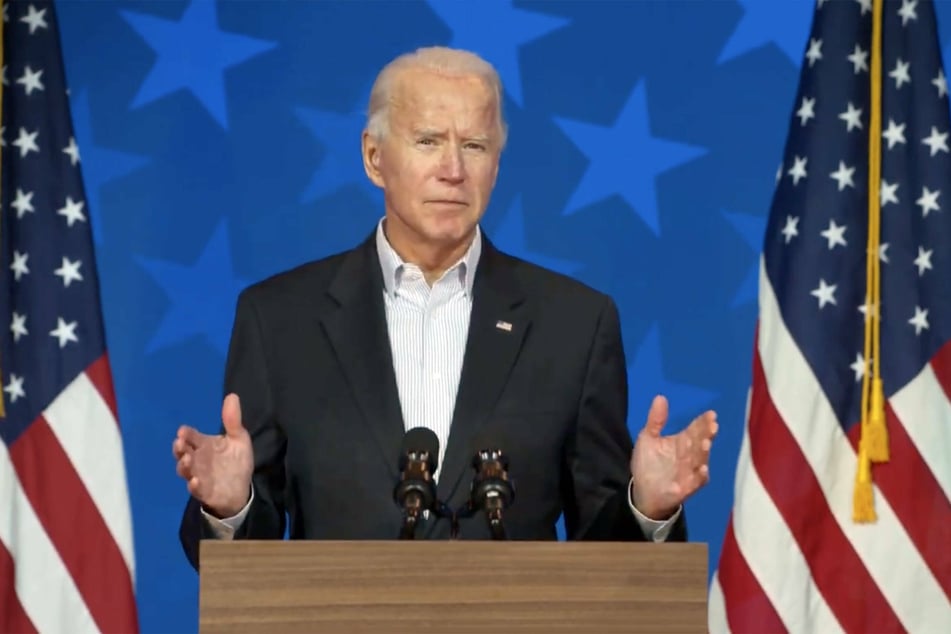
<point x="503" y="325"/>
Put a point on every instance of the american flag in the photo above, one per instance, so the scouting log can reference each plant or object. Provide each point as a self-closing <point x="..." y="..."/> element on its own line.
<point x="794" y="558"/>
<point x="66" y="556"/>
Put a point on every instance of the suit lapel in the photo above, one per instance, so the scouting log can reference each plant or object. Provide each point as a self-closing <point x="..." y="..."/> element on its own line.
<point x="497" y="328"/>
<point x="358" y="334"/>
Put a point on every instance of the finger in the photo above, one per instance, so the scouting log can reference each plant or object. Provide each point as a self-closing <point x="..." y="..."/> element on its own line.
<point x="191" y="436"/>
<point x="183" y="467"/>
<point x="657" y="416"/>
<point x="702" y="429"/>
<point x="180" y="448"/>
<point x="704" y="473"/>
<point x="231" y="415"/>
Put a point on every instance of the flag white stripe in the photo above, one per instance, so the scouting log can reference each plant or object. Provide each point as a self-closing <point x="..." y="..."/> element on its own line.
<point x="100" y="464"/>
<point x="716" y="609"/>
<point x="41" y="578"/>
<point x="773" y="556"/>
<point x="923" y="408"/>
<point x="892" y="560"/>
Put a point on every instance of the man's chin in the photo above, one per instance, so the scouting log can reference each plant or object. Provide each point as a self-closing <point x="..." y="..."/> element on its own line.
<point x="451" y="235"/>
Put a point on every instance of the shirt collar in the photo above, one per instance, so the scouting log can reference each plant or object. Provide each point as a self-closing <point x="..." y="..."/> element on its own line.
<point x="392" y="264"/>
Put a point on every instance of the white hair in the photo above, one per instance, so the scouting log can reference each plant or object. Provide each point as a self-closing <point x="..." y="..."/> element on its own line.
<point x="438" y="59"/>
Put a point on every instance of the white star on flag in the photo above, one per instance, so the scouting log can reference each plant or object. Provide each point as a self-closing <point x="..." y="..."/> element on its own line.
<point x="72" y="151"/>
<point x="843" y="176"/>
<point x="852" y="117"/>
<point x="806" y="110"/>
<point x="798" y="170"/>
<point x="23" y="203"/>
<point x="35" y="19"/>
<point x="69" y="271"/>
<point x="15" y="388"/>
<point x="858" y="366"/>
<point x="18" y="326"/>
<point x="920" y="320"/>
<point x="907" y="11"/>
<point x="18" y="266"/>
<point x="888" y="193"/>
<point x="936" y="141"/>
<point x="859" y="59"/>
<point x="894" y="133"/>
<point x="834" y="234"/>
<point x="941" y="83"/>
<point x="814" y="53"/>
<point x="72" y="211"/>
<point x="900" y="73"/>
<point x="64" y="332"/>
<point x="791" y="230"/>
<point x="923" y="261"/>
<point x="928" y="201"/>
<point x="26" y="141"/>
<point x="825" y="293"/>
<point x="31" y="80"/>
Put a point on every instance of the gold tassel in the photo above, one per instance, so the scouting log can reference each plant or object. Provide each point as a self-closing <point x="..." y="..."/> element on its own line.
<point x="876" y="434"/>
<point x="863" y="503"/>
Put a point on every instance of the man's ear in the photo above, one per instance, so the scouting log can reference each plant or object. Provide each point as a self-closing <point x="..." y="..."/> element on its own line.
<point x="371" y="158"/>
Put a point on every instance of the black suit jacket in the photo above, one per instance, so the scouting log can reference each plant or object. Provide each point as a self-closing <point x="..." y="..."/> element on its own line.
<point x="310" y="359"/>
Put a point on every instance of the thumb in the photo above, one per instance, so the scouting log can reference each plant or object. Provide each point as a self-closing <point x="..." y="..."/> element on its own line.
<point x="657" y="416"/>
<point x="231" y="415"/>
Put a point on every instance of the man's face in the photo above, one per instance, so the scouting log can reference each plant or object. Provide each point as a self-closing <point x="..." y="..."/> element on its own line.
<point x="438" y="161"/>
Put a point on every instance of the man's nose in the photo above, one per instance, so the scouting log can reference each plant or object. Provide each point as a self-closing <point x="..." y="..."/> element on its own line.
<point x="452" y="166"/>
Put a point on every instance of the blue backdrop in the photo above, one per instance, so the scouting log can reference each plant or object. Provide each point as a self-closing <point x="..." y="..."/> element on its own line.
<point x="220" y="144"/>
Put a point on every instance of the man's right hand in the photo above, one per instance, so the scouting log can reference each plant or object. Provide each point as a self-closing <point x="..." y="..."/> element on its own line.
<point x="217" y="468"/>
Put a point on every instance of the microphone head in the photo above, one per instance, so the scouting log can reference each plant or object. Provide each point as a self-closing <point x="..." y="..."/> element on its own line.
<point x="420" y="441"/>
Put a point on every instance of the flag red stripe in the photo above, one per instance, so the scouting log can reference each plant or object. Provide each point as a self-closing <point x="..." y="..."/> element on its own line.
<point x="100" y="374"/>
<point x="941" y="364"/>
<point x="837" y="571"/>
<point x="747" y="607"/>
<point x="75" y="527"/>
<point x="916" y="497"/>
<point x="12" y="616"/>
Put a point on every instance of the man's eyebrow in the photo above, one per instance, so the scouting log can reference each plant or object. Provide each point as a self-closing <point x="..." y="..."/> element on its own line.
<point x="428" y="132"/>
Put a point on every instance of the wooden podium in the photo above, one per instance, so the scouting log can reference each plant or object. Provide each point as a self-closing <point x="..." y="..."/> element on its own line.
<point x="452" y="586"/>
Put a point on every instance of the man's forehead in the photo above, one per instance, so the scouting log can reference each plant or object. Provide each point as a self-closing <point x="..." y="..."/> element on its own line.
<point x="422" y="86"/>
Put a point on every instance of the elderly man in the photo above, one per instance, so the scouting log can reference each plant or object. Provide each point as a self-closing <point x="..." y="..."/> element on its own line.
<point x="427" y="324"/>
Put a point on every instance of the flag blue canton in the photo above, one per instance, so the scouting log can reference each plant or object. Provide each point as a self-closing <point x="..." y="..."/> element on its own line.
<point x="816" y="239"/>
<point x="52" y="326"/>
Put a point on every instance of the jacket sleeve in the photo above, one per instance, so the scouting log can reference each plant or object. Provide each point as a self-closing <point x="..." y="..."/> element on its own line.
<point x="598" y="452"/>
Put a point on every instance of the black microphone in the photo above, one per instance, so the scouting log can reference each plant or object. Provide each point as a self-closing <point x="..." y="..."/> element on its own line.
<point x="492" y="491"/>
<point x="415" y="491"/>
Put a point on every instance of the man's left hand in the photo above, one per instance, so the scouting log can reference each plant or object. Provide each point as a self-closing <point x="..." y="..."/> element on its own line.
<point x="669" y="469"/>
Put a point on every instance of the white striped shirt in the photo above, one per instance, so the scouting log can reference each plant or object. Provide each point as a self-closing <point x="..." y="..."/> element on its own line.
<point x="428" y="328"/>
